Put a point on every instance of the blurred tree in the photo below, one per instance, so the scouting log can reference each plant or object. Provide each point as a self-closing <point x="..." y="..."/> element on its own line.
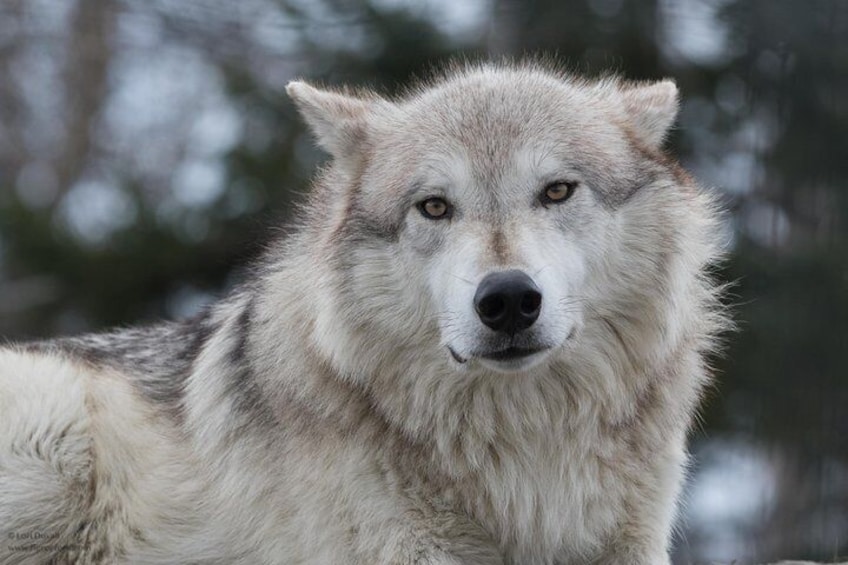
<point x="786" y="381"/>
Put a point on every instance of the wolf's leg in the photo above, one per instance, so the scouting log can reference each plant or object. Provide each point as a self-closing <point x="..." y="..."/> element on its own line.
<point x="45" y="457"/>
<point x="644" y="535"/>
<point x="635" y="552"/>
<point x="443" y="538"/>
<point x="637" y="543"/>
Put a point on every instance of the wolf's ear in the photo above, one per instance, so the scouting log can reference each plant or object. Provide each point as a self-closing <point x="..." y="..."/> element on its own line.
<point x="651" y="108"/>
<point x="337" y="120"/>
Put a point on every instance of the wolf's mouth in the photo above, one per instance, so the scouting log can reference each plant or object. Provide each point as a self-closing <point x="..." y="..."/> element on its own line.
<point x="456" y="356"/>
<point x="510" y="353"/>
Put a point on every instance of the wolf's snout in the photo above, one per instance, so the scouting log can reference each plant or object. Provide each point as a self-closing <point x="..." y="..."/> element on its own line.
<point x="508" y="301"/>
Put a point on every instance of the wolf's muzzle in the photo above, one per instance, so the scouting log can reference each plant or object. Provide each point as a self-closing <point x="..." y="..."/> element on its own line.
<point x="508" y="301"/>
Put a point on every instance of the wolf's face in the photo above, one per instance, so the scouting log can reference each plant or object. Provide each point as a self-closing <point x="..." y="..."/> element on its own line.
<point x="497" y="224"/>
<point x="481" y="205"/>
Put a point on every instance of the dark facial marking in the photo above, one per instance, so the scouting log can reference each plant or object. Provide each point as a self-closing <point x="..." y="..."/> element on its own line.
<point x="499" y="246"/>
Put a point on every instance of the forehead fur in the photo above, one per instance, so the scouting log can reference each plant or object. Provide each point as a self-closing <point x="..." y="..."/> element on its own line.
<point x="491" y="92"/>
<point x="490" y="116"/>
<point x="531" y="91"/>
<point x="487" y="106"/>
<point x="486" y="117"/>
<point x="494" y="80"/>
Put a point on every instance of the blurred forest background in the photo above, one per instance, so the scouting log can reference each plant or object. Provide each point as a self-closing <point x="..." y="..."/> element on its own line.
<point x="146" y="146"/>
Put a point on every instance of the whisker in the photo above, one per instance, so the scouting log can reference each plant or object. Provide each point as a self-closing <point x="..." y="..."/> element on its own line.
<point x="542" y="269"/>
<point x="462" y="279"/>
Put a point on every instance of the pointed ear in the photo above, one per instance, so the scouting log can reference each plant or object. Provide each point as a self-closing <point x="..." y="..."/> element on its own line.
<point x="651" y="109"/>
<point x="337" y="120"/>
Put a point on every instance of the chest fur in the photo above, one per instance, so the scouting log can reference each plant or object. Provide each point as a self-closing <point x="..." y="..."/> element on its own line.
<point x="554" y="497"/>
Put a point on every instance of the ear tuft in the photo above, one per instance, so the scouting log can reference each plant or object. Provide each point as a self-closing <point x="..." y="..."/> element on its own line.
<point x="651" y="108"/>
<point x="337" y="120"/>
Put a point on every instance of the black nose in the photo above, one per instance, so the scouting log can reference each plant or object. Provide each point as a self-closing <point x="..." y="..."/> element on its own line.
<point x="508" y="301"/>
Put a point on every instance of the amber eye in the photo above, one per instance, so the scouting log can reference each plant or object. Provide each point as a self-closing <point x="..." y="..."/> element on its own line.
<point x="557" y="192"/>
<point x="434" y="208"/>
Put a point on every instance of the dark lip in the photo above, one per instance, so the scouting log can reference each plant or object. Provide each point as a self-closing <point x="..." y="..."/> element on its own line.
<point x="456" y="356"/>
<point x="510" y="353"/>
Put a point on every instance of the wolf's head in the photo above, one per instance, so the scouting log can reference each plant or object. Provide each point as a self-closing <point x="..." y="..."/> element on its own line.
<point x="490" y="216"/>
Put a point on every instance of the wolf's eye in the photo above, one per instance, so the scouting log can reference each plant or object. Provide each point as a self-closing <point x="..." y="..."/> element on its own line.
<point x="557" y="192"/>
<point x="434" y="208"/>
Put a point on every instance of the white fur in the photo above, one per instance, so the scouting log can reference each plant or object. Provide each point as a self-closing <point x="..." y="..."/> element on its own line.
<point x="323" y="418"/>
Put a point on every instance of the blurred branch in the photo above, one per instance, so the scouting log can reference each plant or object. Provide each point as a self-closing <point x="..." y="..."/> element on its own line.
<point x="85" y="81"/>
<point x="11" y="144"/>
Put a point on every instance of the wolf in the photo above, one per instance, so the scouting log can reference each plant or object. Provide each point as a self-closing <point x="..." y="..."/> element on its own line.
<point x="484" y="342"/>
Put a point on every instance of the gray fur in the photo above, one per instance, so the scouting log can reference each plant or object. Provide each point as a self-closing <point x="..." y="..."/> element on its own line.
<point x="316" y="415"/>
